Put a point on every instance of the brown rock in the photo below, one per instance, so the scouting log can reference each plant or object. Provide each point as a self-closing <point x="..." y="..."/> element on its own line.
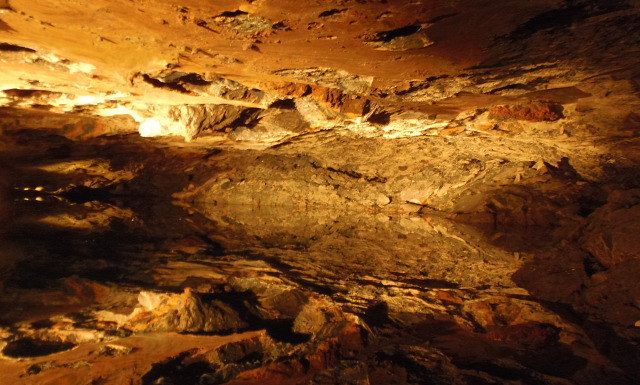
<point x="612" y="235"/>
<point x="553" y="276"/>
<point x="289" y="372"/>
<point x="446" y="296"/>
<point x="292" y="89"/>
<point x="529" y="335"/>
<point x="330" y="96"/>
<point x="354" y="105"/>
<point x="614" y="295"/>
<point x="185" y="313"/>
<point x="533" y="112"/>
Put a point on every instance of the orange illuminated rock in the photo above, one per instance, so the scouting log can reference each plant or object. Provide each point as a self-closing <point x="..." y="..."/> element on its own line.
<point x="185" y="313"/>
<point x="534" y="112"/>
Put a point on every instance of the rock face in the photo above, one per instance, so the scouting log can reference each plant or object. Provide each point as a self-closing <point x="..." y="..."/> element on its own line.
<point x="341" y="192"/>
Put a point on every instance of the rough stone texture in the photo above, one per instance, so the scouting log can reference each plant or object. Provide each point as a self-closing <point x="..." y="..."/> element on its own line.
<point x="186" y="313"/>
<point x="362" y="192"/>
<point x="611" y="234"/>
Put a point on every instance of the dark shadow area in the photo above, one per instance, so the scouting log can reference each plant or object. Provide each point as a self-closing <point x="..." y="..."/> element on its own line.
<point x="381" y="117"/>
<point x="622" y="351"/>
<point x="284" y="104"/>
<point x="387" y="36"/>
<point x="377" y="315"/>
<point x="562" y="273"/>
<point x="232" y="13"/>
<point x="160" y="84"/>
<point x="574" y="19"/>
<point x="331" y="12"/>
<point x="27" y="347"/>
<point x="58" y="228"/>
<point x="178" y="370"/>
<point x="557" y="18"/>
<point x="282" y="330"/>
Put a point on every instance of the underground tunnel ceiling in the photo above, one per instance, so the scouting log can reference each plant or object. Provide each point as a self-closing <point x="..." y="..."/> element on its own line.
<point x="319" y="192"/>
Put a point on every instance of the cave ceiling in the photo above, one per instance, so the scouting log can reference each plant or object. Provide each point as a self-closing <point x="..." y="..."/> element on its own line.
<point x="358" y="59"/>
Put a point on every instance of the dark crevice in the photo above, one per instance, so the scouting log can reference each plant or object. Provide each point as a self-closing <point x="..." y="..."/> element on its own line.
<point x="249" y="117"/>
<point x="518" y="86"/>
<point x="331" y="12"/>
<point x="14" y="48"/>
<point x="382" y="118"/>
<point x="27" y="347"/>
<point x="352" y="174"/>
<point x="83" y="194"/>
<point x="592" y="265"/>
<point x="590" y="201"/>
<point x="281" y="25"/>
<point x="357" y="175"/>
<point x="282" y="330"/>
<point x="194" y="79"/>
<point x="377" y="315"/>
<point x="284" y="104"/>
<point x="25" y="94"/>
<point x="160" y="84"/>
<point x="387" y="36"/>
<point x="235" y="13"/>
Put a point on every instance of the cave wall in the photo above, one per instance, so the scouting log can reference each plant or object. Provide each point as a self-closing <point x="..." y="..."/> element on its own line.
<point x="362" y="192"/>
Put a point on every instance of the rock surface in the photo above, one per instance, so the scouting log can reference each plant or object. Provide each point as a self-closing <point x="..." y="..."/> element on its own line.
<point x="341" y="192"/>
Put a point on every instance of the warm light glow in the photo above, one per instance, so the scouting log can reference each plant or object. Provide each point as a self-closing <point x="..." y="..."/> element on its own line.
<point x="120" y="110"/>
<point x="89" y="99"/>
<point x="150" y="127"/>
